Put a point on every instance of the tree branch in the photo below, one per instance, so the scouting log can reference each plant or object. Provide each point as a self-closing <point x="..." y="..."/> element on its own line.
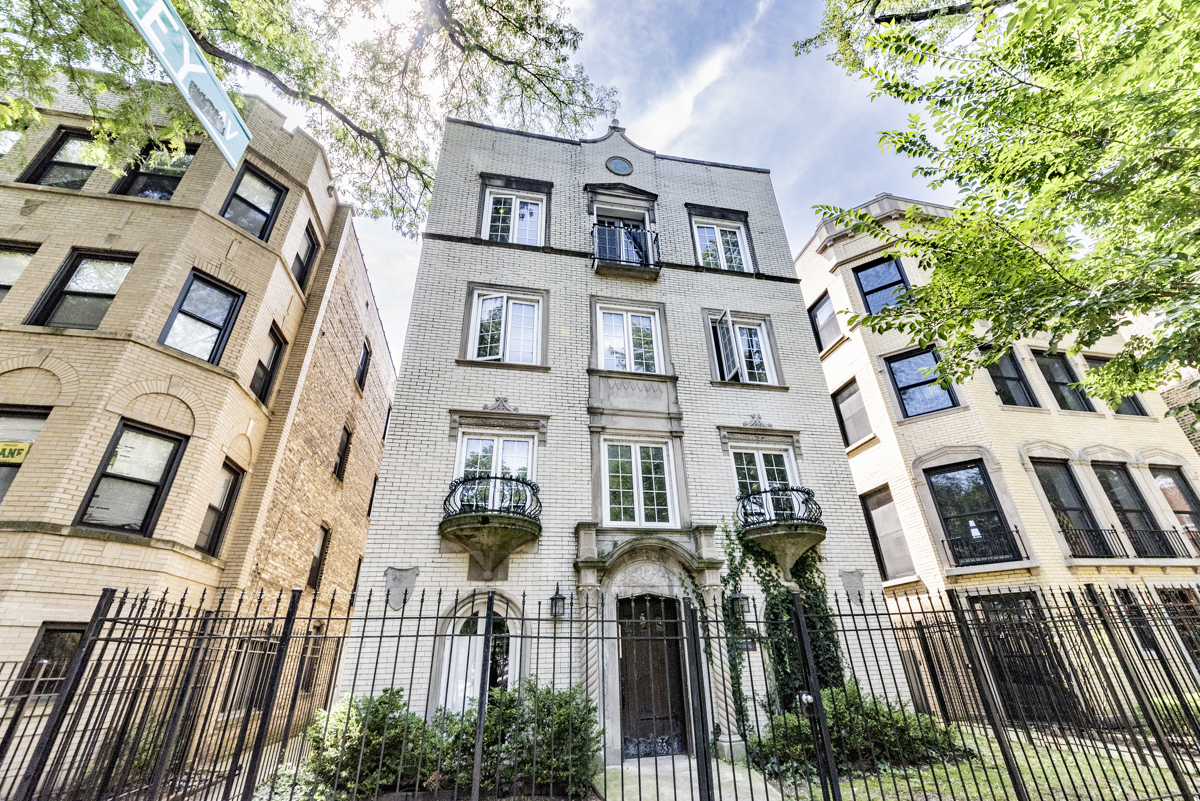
<point x="944" y="11"/>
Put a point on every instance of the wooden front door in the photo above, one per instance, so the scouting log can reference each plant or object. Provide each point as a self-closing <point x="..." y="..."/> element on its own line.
<point x="650" y="652"/>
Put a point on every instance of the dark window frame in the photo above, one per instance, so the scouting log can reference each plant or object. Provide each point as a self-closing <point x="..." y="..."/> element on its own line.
<point x="222" y="338"/>
<point x="37" y="168"/>
<point x="218" y="535"/>
<point x="305" y="265"/>
<point x="122" y="186"/>
<point x="1066" y="363"/>
<point x="1085" y="509"/>
<point x="27" y="412"/>
<point x="837" y="410"/>
<point x="889" y="360"/>
<point x="163" y="489"/>
<point x="812" y="320"/>
<point x="1021" y="379"/>
<point x="364" y="365"/>
<point x="16" y="247"/>
<point x="1139" y="408"/>
<point x="272" y="370"/>
<point x="272" y="216"/>
<point x="862" y="293"/>
<point x="1190" y="496"/>
<point x="991" y="488"/>
<point x="316" y="570"/>
<point x="343" y="453"/>
<point x="48" y="302"/>
<point x="387" y="421"/>
<point x="881" y="563"/>
<point x="1144" y="507"/>
<point x="25" y="684"/>
<point x="371" y="502"/>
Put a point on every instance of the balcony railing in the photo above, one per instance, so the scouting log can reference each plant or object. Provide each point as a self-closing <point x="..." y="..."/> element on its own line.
<point x="777" y="505"/>
<point x="628" y="247"/>
<point x="985" y="550"/>
<point x="508" y="495"/>
<point x="1094" y="543"/>
<point x="1157" y="543"/>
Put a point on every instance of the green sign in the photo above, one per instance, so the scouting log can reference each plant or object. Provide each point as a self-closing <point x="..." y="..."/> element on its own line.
<point x="160" y="25"/>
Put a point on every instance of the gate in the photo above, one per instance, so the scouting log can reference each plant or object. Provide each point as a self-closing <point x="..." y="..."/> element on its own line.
<point x="1077" y="693"/>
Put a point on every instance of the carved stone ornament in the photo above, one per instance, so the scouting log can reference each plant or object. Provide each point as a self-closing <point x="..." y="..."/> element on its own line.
<point x="756" y="432"/>
<point x="756" y="421"/>
<point x="499" y="405"/>
<point x="499" y="415"/>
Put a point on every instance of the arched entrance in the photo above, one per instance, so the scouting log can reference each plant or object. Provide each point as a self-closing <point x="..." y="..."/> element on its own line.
<point x="650" y="660"/>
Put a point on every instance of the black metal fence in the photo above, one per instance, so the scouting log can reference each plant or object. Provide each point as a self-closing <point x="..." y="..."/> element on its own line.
<point x="1006" y="694"/>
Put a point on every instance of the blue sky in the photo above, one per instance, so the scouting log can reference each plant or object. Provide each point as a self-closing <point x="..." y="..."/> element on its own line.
<point x="715" y="81"/>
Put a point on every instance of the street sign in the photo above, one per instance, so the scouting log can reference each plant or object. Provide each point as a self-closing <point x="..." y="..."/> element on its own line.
<point x="160" y="25"/>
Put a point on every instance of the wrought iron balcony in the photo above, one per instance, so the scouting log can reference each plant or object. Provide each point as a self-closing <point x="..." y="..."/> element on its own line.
<point x="784" y="520"/>
<point x="1094" y="543"/>
<point x="628" y="252"/>
<point x="1157" y="543"/>
<point x="491" y="517"/>
<point x="987" y="549"/>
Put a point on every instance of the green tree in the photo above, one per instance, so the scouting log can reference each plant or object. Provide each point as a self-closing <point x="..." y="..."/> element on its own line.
<point x="375" y="79"/>
<point x="1071" y="129"/>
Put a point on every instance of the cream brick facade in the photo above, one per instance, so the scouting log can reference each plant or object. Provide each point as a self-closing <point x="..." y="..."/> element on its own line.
<point x="1004" y="437"/>
<point x="51" y="567"/>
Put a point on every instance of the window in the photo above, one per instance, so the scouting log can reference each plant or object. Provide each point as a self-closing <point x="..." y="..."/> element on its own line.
<point x="66" y="163"/>
<point x="19" y="427"/>
<point x="499" y="224"/>
<point x="976" y="531"/>
<point x="254" y="202"/>
<point x="82" y="291"/>
<point x="824" y="322"/>
<point x="364" y="363"/>
<point x="1183" y="609"/>
<point x="1059" y="375"/>
<point x="637" y="483"/>
<point x="303" y="262"/>
<point x="267" y="368"/>
<point x="250" y="674"/>
<point x="887" y="536"/>
<point x="203" y="316"/>
<point x="46" y="665"/>
<point x="310" y="656"/>
<point x="721" y="246"/>
<point x="1130" y="404"/>
<point x="343" y="455"/>
<point x="743" y="354"/>
<point x="483" y="455"/>
<point x="759" y="470"/>
<point x="134" y="478"/>
<point x="1009" y="380"/>
<point x="463" y="660"/>
<point x="371" y="502"/>
<point x="13" y="261"/>
<point x="507" y="329"/>
<point x="1175" y="488"/>
<point x="220" y="509"/>
<point x="387" y="421"/>
<point x="159" y="174"/>
<point x="1149" y="541"/>
<point x="851" y="414"/>
<point x="629" y="341"/>
<point x="1063" y="493"/>
<point x="317" y="567"/>
<point x="916" y="383"/>
<point x="1136" y="616"/>
<point x="881" y="285"/>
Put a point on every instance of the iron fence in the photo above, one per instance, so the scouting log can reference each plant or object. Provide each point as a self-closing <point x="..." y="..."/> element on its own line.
<point x="1088" y="693"/>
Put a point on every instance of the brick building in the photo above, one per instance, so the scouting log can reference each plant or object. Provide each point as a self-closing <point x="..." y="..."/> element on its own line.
<point x="620" y="329"/>
<point x="1013" y="480"/>
<point x="194" y="380"/>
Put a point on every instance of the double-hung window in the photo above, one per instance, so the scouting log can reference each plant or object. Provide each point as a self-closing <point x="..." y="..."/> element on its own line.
<point x="1133" y="513"/>
<point x="364" y="364"/>
<point x="1061" y="378"/>
<point x="1175" y="488"/>
<point x="134" y="478"/>
<point x="82" y="291"/>
<point x="203" y="316"/>
<point x="915" y="378"/>
<point x="637" y="484"/>
<point x="46" y="666"/>
<point x="317" y="567"/>
<point x="513" y="217"/>
<point x="19" y="427"/>
<point x="763" y="481"/>
<point x="1130" y="404"/>
<point x="887" y="535"/>
<point x="881" y="285"/>
<point x="629" y="341"/>
<point x="824" y="322"/>
<point x="269" y="359"/>
<point x="507" y="328"/>
<point x="66" y="163"/>
<point x="254" y="202"/>
<point x="1071" y="511"/>
<point x="976" y="531"/>
<point x="13" y="261"/>
<point x="722" y="246"/>
<point x="1009" y="380"/>
<point x="743" y="353"/>
<point x="851" y="414"/>
<point x="220" y="509"/>
<point x="158" y="175"/>
<point x="485" y="461"/>
<point x="343" y="454"/>
<point x="303" y="262"/>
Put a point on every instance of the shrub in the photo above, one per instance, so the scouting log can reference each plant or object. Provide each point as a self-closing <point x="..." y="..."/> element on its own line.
<point x="865" y="731"/>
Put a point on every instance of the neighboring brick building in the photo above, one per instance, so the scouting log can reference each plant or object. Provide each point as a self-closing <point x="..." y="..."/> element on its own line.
<point x="1010" y="480"/>
<point x="182" y="348"/>
<point x="547" y="342"/>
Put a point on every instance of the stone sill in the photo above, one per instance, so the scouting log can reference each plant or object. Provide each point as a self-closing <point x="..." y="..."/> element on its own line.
<point x="76" y="532"/>
<point x="625" y="374"/>
<point x="1190" y="563"/>
<point x="833" y="347"/>
<point x="931" y="415"/>
<point x="1027" y="409"/>
<point x="532" y="368"/>
<point x="611" y="269"/>
<point x="855" y="448"/>
<point x="901" y="582"/>
<point x="750" y="385"/>
<point x="998" y="567"/>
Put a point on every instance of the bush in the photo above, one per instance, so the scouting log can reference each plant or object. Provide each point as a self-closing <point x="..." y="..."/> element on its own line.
<point x="866" y="732"/>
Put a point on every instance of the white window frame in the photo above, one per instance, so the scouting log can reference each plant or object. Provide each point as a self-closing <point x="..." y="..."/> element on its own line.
<point x="509" y="298"/>
<point x="789" y="461"/>
<point x="656" y="326"/>
<point x="723" y="225"/>
<point x="517" y="197"/>
<point x="499" y="435"/>
<point x="639" y="520"/>
<point x="729" y="324"/>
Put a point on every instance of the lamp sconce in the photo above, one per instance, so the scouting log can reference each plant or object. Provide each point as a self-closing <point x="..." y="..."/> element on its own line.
<point x="558" y="603"/>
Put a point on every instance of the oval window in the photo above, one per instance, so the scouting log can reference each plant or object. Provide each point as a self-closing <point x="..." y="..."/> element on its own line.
<point x="619" y="165"/>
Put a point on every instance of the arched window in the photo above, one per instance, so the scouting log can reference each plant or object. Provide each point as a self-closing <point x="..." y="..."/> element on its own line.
<point x="462" y="660"/>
